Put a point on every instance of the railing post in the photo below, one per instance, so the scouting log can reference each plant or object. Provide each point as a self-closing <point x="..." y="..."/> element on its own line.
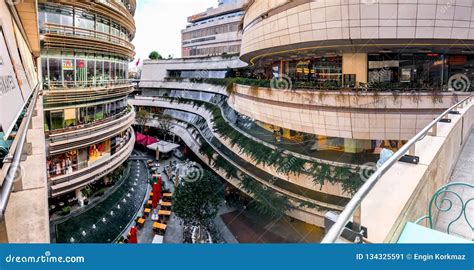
<point x="434" y="130"/>
<point x="412" y="149"/>
<point x="356" y="220"/>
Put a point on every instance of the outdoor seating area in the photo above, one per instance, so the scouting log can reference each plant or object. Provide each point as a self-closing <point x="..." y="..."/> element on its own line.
<point x="156" y="211"/>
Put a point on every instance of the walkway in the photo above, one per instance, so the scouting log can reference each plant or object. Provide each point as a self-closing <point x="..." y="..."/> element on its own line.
<point x="174" y="229"/>
<point x="463" y="172"/>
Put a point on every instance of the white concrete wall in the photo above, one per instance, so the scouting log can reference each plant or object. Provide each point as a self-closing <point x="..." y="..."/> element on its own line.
<point x="322" y="20"/>
<point x="402" y="194"/>
<point x="156" y="70"/>
<point x="342" y="114"/>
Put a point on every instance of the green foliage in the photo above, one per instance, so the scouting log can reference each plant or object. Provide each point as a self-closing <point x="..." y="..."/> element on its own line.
<point x="206" y="150"/>
<point x="197" y="202"/>
<point x="154" y="55"/>
<point x="262" y="154"/>
<point x="222" y="163"/>
<point x="265" y="201"/>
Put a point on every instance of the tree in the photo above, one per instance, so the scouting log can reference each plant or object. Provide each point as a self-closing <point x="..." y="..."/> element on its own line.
<point x="142" y="118"/>
<point x="165" y="123"/>
<point x="154" y="55"/>
<point x="197" y="202"/>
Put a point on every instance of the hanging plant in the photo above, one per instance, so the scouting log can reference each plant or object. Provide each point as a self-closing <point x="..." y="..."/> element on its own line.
<point x="265" y="201"/>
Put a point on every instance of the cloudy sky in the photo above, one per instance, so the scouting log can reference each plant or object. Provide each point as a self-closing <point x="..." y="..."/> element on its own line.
<point x="159" y="24"/>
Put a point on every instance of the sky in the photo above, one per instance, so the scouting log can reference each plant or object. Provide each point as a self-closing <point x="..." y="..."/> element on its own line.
<point x="159" y="24"/>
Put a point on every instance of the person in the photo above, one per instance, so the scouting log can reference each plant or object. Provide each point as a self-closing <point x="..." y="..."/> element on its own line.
<point x="385" y="154"/>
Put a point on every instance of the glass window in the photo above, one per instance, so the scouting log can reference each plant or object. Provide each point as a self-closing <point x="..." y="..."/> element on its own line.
<point x="99" y="69"/>
<point x="103" y="26"/>
<point x="99" y="112"/>
<point x="90" y="72"/>
<point x="81" y="75"/>
<point x="55" y="72"/>
<point x="68" y="72"/>
<point x="90" y="114"/>
<point x="57" y="119"/>
<point x="44" y="70"/>
<point x="84" y="20"/>
<point x="107" y="70"/>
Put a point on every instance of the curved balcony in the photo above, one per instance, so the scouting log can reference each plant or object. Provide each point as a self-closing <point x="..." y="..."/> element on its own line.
<point x="82" y="137"/>
<point x="83" y="92"/>
<point x="50" y="29"/>
<point x="79" y="136"/>
<point x="302" y="181"/>
<point x="275" y="28"/>
<point x="108" y="9"/>
<point x="279" y="185"/>
<point x="60" y="36"/>
<point x="308" y="214"/>
<point x="80" y="178"/>
<point x="344" y="114"/>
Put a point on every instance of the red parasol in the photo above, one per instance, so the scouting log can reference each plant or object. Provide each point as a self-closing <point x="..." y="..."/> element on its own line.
<point x="150" y="140"/>
<point x="133" y="236"/>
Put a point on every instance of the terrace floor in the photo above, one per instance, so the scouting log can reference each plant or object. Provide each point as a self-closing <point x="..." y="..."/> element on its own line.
<point x="463" y="172"/>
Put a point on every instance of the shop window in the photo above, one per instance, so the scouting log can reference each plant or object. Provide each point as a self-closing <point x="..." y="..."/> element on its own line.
<point x="69" y="117"/>
<point x="81" y="72"/>
<point x="68" y="71"/>
<point x="57" y="119"/>
<point x="90" y="72"/>
<point x="55" y="72"/>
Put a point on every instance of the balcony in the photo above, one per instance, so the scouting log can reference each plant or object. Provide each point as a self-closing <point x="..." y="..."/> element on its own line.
<point x="84" y="135"/>
<point x="67" y="183"/>
<point x="72" y="93"/>
<point x="63" y="36"/>
<point x="398" y="196"/>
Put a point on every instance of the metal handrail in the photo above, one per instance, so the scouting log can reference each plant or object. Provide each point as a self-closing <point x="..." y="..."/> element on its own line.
<point x="336" y="230"/>
<point x="9" y="180"/>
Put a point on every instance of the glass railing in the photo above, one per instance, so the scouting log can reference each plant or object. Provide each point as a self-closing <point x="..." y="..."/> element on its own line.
<point x="50" y="28"/>
<point x="64" y="85"/>
<point x="305" y="146"/>
<point x="200" y="124"/>
<point x="79" y="127"/>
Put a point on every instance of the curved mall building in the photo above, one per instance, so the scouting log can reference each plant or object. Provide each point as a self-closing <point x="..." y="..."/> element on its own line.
<point x="328" y="85"/>
<point x="85" y="51"/>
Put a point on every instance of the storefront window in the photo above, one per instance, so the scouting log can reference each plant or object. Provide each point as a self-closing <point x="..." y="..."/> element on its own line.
<point x="68" y="71"/>
<point x="91" y="72"/>
<point x="99" y="71"/>
<point x="107" y="70"/>
<point x="57" y="119"/>
<point x="55" y="72"/>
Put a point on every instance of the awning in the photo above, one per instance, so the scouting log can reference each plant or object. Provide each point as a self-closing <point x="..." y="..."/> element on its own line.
<point x="144" y="139"/>
<point x="163" y="147"/>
